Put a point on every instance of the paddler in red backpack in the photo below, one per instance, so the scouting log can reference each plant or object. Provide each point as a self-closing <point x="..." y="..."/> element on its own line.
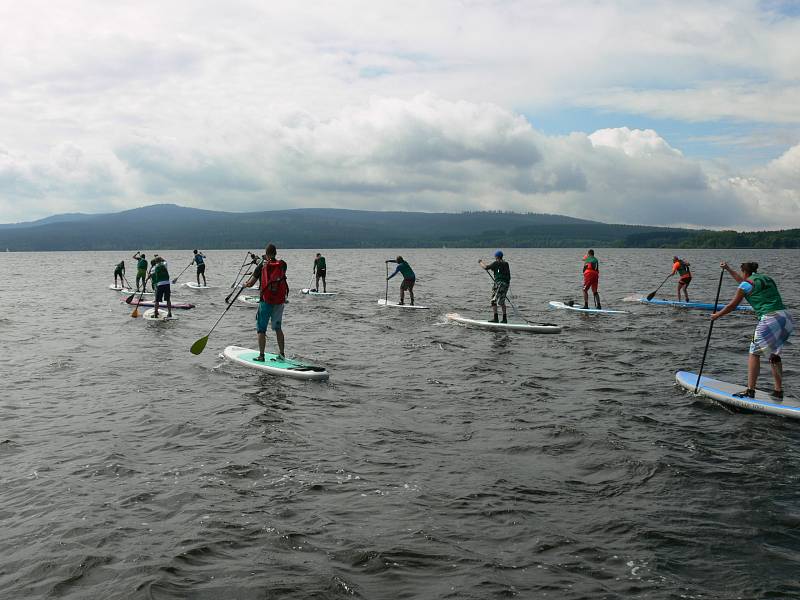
<point x="271" y="274"/>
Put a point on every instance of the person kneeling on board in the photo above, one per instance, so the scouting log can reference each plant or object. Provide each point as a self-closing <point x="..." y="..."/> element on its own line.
<point x="591" y="277"/>
<point x="160" y="275"/>
<point x="681" y="267"/>
<point x="119" y="271"/>
<point x="409" y="278"/>
<point x="141" y="269"/>
<point x="502" y="279"/>
<point x="320" y="269"/>
<point x="271" y="275"/>
<point x="775" y="324"/>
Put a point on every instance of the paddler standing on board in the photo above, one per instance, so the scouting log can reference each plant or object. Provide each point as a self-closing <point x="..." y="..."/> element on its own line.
<point x="160" y="275"/>
<point x="591" y="277"/>
<point x="119" y="271"/>
<point x="775" y="324"/>
<point x="271" y="274"/>
<point x="199" y="259"/>
<point x="320" y="269"/>
<point x="502" y="279"/>
<point x="141" y="269"/>
<point x="681" y="267"/>
<point x="409" y="279"/>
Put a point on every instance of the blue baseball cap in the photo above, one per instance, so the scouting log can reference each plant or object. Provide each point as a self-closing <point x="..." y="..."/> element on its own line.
<point x="498" y="253"/>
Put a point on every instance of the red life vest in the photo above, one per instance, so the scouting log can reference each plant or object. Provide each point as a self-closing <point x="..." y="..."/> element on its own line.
<point x="274" y="288"/>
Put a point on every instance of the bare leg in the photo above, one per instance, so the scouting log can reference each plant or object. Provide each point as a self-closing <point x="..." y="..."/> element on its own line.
<point x="204" y="279"/>
<point x="753" y="367"/>
<point x="680" y="285"/>
<point x="324" y="285"/>
<point x="262" y="342"/>
<point x="503" y="306"/>
<point x="316" y="283"/>
<point x="155" y="312"/>
<point x="279" y="337"/>
<point x="402" y="296"/>
<point x="585" y="298"/>
<point x="169" y="307"/>
<point x="411" y="295"/>
<point x="596" y="300"/>
<point x="777" y="371"/>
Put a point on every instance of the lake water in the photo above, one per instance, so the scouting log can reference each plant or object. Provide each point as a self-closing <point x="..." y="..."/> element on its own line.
<point x="437" y="462"/>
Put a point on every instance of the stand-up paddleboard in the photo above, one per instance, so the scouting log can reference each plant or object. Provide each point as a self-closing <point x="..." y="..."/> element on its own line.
<point x="193" y="285"/>
<point x="250" y="300"/>
<point x="274" y="364"/>
<point x="309" y="292"/>
<point x="606" y="311"/>
<point x="383" y="302"/>
<point x="694" y="305"/>
<point x="530" y="328"/>
<point x="161" y="305"/>
<point x="722" y="391"/>
<point x="149" y="315"/>
<point x="120" y="288"/>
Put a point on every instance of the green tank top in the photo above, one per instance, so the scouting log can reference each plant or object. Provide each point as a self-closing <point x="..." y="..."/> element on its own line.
<point x="142" y="264"/>
<point x="320" y="262"/>
<point x="764" y="297"/>
<point x="160" y="274"/>
<point x="592" y="261"/>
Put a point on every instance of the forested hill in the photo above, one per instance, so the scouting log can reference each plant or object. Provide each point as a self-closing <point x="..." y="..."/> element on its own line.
<point x="169" y="226"/>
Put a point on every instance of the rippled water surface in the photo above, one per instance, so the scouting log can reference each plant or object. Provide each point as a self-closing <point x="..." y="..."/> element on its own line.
<point x="437" y="462"/>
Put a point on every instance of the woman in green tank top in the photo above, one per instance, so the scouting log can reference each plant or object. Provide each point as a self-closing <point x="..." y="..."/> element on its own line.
<point x="775" y="324"/>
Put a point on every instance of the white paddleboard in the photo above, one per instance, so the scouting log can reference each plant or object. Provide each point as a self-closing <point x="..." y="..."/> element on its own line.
<point x="149" y="315"/>
<point x="119" y="288"/>
<point x="309" y="292"/>
<point x="530" y="328"/>
<point x="250" y="300"/>
<point x="607" y="311"/>
<point x="722" y="391"/>
<point x="274" y="364"/>
<point x="383" y="302"/>
<point x="194" y="286"/>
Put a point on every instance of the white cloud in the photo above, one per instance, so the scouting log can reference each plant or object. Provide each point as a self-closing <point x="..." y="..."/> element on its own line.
<point x="249" y="105"/>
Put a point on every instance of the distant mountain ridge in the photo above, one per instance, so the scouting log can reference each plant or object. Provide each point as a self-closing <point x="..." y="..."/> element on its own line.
<point x="169" y="226"/>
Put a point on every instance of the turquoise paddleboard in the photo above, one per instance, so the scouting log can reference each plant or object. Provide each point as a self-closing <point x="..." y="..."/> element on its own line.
<point x="274" y="364"/>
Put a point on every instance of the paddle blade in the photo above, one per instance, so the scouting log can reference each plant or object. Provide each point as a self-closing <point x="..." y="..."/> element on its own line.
<point x="135" y="312"/>
<point x="199" y="345"/>
<point x="650" y="296"/>
<point x="174" y="281"/>
<point x="129" y="299"/>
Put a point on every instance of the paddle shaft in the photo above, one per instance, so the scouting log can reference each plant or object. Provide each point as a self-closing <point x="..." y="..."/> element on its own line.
<point x="239" y="272"/>
<point x="224" y="311"/>
<point x="239" y="283"/>
<point x="386" y="296"/>
<point x="653" y="293"/>
<point x="710" y="329"/>
<point x="182" y="272"/>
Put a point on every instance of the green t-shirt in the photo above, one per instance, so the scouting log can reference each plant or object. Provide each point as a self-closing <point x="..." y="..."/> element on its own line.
<point x="319" y="263"/>
<point x="160" y="273"/>
<point x="142" y="264"/>
<point x="762" y="294"/>
<point x="405" y="270"/>
<point x="591" y="263"/>
<point x="120" y="268"/>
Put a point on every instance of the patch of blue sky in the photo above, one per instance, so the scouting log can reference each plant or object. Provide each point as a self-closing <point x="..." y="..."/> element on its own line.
<point x="738" y="143"/>
<point x="373" y="72"/>
<point x="781" y="8"/>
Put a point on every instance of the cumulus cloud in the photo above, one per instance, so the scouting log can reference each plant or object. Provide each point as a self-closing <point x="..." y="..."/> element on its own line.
<point x="415" y="105"/>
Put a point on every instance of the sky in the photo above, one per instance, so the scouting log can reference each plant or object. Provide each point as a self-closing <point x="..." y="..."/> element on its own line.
<point x="660" y="113"/>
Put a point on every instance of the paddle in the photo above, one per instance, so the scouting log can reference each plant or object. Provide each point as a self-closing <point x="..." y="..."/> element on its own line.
<point x="310" y="281"/>
<point x="239" y="283"/>
<point x="135" y="312"/>
<point x="386" y="298"/>
<point x="174" y="281"/>
<point x="127" y="283"/>
<point x="651" y="294"/>
<point x="239" y="272"/>
<point x="200" y="344"/>
<point x="710" y="328"/>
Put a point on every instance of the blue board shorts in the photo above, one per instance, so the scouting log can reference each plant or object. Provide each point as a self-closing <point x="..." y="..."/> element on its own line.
<point x="266" y="313"/>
